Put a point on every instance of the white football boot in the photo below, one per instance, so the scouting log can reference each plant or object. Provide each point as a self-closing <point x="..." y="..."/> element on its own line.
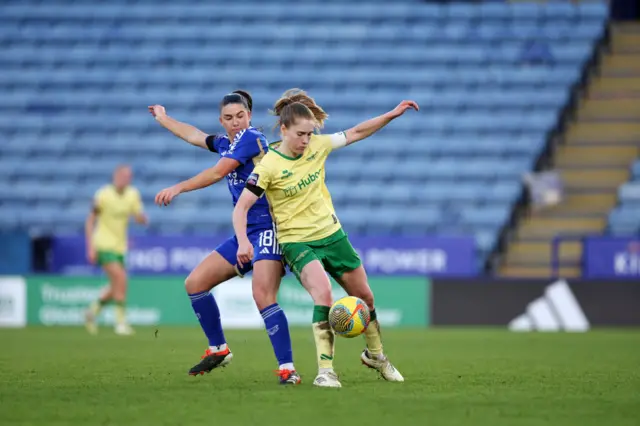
<point x="90" y="322"/>
<point x="383" y="365"/>
<point x="327" y="379"/>
<point x="124" y="330"/>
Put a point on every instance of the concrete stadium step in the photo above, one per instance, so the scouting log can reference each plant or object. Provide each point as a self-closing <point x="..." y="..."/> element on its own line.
<point x="594" y="178"/>
<point x="539" y="271"/>
<point x="620" y="62"/>
<point x="624" y="41"/>
<point x="595" y="108"/>
<point x="549" y="227"/>
<point x="626" y="27"/>
<point x="587" y="204"/>
<point x="616" y="84"/>
<point x="613" y="156"/>
<point x="583" y="201"/>
<point x="594" y="131"/>
<point x="521" y="252"/>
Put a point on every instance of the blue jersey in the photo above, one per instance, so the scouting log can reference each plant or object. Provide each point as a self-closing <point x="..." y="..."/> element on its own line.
<point x="248" y="147"/>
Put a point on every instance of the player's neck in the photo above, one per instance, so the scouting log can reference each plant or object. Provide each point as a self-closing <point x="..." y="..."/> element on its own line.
<point x="283" y="149"/>
<point x="120" y="190"/>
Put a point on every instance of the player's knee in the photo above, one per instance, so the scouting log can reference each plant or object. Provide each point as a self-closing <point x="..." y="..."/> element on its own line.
<point x="263" y="297"/>
<point x="321" y="295"/>
<point x="194" y="285"/>
<point x="367" y="296"/>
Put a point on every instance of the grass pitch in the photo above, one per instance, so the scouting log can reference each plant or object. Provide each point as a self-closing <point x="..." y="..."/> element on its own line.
<point x="56" y="376"/>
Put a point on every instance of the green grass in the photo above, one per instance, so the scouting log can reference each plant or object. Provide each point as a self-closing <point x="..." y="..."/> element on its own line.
<point x="472" y="377"/>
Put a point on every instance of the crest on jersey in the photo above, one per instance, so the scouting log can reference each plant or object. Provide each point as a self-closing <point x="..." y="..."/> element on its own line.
<point x="253" y="179"/>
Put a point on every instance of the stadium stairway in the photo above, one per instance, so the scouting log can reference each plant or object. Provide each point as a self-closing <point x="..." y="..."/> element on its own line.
<point x="593" y="161"/>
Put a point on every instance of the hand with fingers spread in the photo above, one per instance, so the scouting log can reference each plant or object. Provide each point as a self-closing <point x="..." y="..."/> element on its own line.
<point x="164" y="197"/>
<point x="402" y="108"/>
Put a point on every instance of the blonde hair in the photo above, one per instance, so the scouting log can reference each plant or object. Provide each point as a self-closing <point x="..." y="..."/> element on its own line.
<point x="295" y="103"/>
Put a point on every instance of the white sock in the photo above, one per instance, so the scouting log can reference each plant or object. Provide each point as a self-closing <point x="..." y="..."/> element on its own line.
<point x="325" y="370"/>
<point x="287" y="366"/>
<point x="219" y="348"/>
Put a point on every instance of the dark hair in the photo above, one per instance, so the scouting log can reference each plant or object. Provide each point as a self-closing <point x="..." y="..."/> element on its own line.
<point x="295" y="103"/>
<point x="241" y="97"/>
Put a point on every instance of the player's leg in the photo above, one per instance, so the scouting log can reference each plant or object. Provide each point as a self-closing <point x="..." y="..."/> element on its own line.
<point x="214" y="269"/>
<point x="267" y="273"/>
<point x="106" y="296"/>
<point x="118" y="276"/>
<point x="344" y="264"/>
<point x="306" y="266"/>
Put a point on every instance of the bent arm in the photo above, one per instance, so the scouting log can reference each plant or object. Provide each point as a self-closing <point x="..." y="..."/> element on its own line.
<point x="245" y="202"/>
<point x="209" y="176"/>
<point x="184" y="131"/>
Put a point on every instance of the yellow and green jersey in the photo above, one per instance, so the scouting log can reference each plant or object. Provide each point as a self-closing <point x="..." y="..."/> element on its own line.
<point x="300" y="202"/>
<point x="113" y="212"/>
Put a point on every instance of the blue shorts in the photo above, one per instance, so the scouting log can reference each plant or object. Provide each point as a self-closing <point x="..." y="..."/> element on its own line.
<point x="265" y="247"/>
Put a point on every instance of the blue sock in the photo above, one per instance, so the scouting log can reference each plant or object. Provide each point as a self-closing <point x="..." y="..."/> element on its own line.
<point x="206" y="309"/>
<point x="278" y="329"/>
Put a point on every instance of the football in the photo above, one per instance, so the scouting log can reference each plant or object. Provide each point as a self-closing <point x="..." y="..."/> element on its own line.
<point x="349" y="317"/>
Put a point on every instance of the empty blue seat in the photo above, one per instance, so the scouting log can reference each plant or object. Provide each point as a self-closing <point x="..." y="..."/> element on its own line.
<point x="77" y="79"/>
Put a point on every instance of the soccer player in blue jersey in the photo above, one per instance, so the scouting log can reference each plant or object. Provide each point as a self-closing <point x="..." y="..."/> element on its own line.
<point x="240" y="149"/>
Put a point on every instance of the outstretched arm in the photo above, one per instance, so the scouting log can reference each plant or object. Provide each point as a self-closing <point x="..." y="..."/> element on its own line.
<point x="208" y="177"/>
<point x="369" y="127"/>
<point x="245" y="248"/>
<point x="182" y="130"/>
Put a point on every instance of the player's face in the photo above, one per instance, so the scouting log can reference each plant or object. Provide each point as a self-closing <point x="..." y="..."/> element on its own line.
<point x="234" y="117"/>
<point x="122" y="177"/>
<point x="298" y="135"/>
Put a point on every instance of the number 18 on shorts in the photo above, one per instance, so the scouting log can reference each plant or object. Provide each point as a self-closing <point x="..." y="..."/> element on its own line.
<point x="265" y="247"/>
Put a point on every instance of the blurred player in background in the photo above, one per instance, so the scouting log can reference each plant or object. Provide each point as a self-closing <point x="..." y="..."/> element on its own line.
<point x="292" y="176"/>
<point x="239" y="150"/>
<point x="106" y="236"/>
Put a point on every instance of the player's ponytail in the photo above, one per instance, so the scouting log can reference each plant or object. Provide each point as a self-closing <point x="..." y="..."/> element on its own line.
<point x="291" y="112"/>
<point x="286" y="111"/>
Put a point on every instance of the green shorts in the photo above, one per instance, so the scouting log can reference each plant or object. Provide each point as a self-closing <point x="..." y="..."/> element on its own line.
<point x="106" y="257"/>
<point x="335" y="252"/>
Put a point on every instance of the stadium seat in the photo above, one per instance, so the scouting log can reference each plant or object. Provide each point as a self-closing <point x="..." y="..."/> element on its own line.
<point x="76" y="82"/>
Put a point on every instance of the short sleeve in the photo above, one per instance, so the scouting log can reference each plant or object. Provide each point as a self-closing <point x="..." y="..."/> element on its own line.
<point x="261" y="176"/>
<point x="136" y="202"/>
<point x="338" y="140"/>
<point x="212" y="142"/>
<point x="332" y="141"/>
<point x="246" y="146"/>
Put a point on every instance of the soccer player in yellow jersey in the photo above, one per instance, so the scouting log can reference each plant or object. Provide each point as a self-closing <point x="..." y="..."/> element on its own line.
<point x="292" y="176"/>
<point x="106" y="235"/>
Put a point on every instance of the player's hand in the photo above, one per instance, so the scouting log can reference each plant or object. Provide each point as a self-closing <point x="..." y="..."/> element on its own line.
<point x="164" y="197"/>
<point x="91" y="255"/>
<point x="142" y="219"/>
<point x="402" y="108"/>
<point x="245" y="253"/>
<point x="158" y="111"/>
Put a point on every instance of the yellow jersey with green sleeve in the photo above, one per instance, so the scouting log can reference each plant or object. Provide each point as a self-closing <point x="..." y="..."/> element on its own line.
<point x="295" y="188"/>
<point x="113" y="211"/>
